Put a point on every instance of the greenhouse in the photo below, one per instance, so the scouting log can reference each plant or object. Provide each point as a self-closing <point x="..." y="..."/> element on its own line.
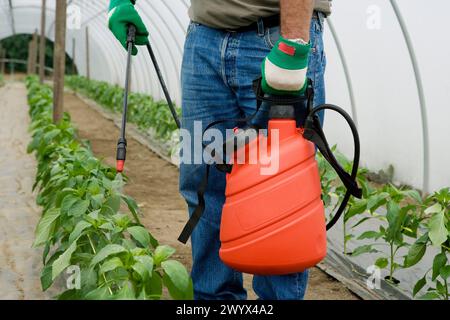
<point x="98" y="202"/>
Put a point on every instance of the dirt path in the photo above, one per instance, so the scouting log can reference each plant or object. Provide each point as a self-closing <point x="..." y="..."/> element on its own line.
<point x="154" y="185"/>
<point x="20" y="264"/>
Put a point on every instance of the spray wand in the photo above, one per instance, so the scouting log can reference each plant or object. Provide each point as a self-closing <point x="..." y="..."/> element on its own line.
<point x="122" y="143"/>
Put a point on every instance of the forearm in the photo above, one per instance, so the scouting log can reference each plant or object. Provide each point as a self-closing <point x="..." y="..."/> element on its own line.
<point x="296" y="18"/>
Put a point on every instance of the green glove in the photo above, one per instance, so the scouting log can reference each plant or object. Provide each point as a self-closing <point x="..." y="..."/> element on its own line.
<point x="285" y="68"/>
<point x="121" y="14"/>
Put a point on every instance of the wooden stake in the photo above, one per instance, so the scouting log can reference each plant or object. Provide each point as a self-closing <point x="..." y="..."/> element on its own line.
<point x="42" y="44"/>
<point x="88" y="66"/>
<point x="73" y="55"/>
<point x="59" y="61"/>
<point x="32" y="55"/>
<point x="2" y="63"/>
<point x="30" y="49"/>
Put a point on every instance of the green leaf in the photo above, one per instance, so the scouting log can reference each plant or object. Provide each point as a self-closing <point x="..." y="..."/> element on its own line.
<point x="45" y="227"/>
<point x="361" y="221"/>
<point x="440" y="260"/>
<point x="162" y="253"/>
<point x="70" y="295"/>
<point x="363" y="249"/>
<point x="433" y="209"/>
<point x="441" y="288"/>
<point x="63" y="261"/>
<point x="67" y="203"/>
<point x="101" y="293"/>
<point x="177" y="273"/>
<point x="146" y="261"/>
<point x="413" y="194"/>
<point x="419" y="286"/>
<point x="438" y="232"/>
<point x="94" y="187"/>
<point x="369" y="235"/>
<point x="126" y="293"/>
<point x="111" y="265"/>
<point x="376" y="200"/>
<point x="113" y="202"/>
<point x="393" y="210"/>
<point x="141" y="270"/>
<point x="155" y="285"/>
<point x="445" y="272"/>
<point x="382" y="263"/>
<point x="415" y="254"/>
<point x="88" y="278"/>
<point x="133" y="207"/>
<point x="46" y="277"/>
<point x="177" y="294"/>
<point x="107" y="251"/>
<point x="140" y="234"/>
<point x="45" y="252"/>
<point x="430" y="296"/>
<point x="50" y="135"/>
<point x="79" y="208"/>
<point x="78" y="230"/>
<point x="358" y="207"/>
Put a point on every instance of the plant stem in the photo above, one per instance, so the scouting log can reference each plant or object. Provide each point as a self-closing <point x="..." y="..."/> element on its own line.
<point x="95" y="252"/>
<point x="391" y="271"/>
<point x="92" y="245"/>
<point x="345" y="237"/>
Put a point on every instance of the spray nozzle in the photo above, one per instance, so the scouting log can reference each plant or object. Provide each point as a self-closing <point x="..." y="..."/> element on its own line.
<point x="121" y="154"/>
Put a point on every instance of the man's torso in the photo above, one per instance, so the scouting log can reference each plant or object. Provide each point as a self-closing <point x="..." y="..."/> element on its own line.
<point x="232" y="14"/>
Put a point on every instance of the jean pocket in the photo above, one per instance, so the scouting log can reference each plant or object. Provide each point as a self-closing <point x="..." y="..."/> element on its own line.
<point x="271" y="36"/>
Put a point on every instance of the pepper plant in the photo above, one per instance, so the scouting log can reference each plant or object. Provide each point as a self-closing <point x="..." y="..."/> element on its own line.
<point x="436" y="227"/>
<point x="401" y="220"/>
<point x="88" y="222"/>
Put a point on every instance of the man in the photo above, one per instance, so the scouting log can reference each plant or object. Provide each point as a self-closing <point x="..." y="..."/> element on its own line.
<point x="230" y="43"/>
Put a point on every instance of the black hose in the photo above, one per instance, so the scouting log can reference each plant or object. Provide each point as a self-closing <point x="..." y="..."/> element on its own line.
<point x="163" y="85"/>
<point x="356" y="156"/>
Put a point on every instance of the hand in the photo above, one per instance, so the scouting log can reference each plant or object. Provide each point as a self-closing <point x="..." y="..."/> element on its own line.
<point x="121" y="14"/>
<point x="284" y="70"/>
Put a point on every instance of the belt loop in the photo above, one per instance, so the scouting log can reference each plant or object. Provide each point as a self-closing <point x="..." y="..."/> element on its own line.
<point x="261" y="29"/>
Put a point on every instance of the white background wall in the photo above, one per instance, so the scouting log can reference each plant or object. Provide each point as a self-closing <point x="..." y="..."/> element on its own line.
<point x="386" y="97"/>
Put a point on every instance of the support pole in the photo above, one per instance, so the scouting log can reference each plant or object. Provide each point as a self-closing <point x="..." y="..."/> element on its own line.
<point x="88" y="66"/>
<point x="2" y="63"/>
<point x="32" y="54"/>
<point x="59" y="61"/>
<point x="42" y="44"/>
<point x="30" y="49"/>
<point x="73" y="55"/>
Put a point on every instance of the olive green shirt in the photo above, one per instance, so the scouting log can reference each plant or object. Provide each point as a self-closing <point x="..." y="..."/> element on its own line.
<point x="232" y="14"/>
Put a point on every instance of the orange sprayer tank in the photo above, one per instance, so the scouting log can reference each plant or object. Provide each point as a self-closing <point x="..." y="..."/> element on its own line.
<point x="275" y="224"/>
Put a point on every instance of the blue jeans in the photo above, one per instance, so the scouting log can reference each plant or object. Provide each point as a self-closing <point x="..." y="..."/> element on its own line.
<point x="217" y="74"/>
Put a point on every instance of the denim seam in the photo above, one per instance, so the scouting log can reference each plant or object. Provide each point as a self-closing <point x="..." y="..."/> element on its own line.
<point x="223" y="58"/>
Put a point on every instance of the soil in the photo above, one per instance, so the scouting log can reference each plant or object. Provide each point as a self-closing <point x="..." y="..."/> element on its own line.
<point x="20" y="263"/>
<point x="153" y="182"/>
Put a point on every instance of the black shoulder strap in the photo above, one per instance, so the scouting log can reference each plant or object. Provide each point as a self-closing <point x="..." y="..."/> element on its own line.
<point x="198" y="211"/>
